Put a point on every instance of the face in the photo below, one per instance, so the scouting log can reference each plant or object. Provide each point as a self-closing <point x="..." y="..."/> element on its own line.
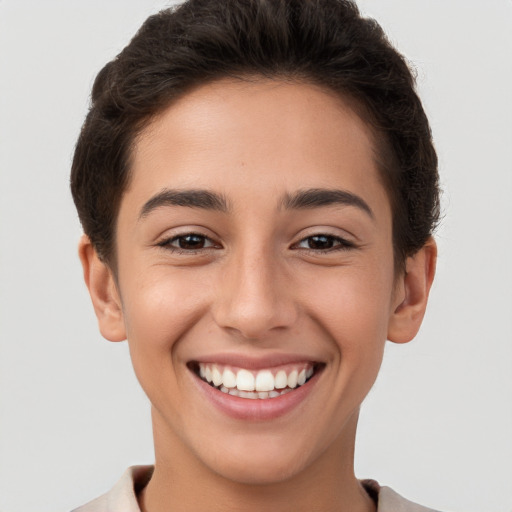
<point x="255" y="276"/>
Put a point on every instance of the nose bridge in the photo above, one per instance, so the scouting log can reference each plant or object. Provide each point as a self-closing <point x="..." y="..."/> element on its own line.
<point x="252" y="298"/>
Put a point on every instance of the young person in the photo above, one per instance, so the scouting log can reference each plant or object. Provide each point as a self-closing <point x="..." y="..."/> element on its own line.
<point x="258" y="190"/>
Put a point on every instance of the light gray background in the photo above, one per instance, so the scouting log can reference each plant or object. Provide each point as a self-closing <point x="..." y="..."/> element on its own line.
<point x="438" y="424"/>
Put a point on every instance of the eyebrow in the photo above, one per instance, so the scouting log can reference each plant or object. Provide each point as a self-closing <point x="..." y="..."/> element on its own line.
<point x="207" y="200"/>
<point x="318" y="197"/>
<point x="203" y="199"/>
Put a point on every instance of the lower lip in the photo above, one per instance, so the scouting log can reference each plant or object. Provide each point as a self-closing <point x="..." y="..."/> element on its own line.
<point x="256" y="409"/>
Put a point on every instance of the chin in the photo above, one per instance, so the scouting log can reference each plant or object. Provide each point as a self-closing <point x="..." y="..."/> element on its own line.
<point x="257" y="461"/>
<point x="268" y="471"/>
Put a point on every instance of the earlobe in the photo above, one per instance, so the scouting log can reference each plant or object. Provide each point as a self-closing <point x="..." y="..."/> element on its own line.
<point x="412" y="294"/>
<point x="103" y="291"/>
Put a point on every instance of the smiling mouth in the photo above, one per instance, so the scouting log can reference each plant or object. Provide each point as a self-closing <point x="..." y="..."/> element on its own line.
<point x="257" y="385"/>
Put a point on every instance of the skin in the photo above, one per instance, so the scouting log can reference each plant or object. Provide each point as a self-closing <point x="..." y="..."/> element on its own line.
<point x="258" y="286"/>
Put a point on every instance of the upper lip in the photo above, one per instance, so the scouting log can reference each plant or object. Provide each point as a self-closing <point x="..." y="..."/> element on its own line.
<point x="255" y="362"/>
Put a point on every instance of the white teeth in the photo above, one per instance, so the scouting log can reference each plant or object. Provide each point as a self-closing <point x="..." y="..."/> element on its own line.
<point x="247" y="394"/>
<point x="264" y="381"/>
<point x="281" y="380"/>
<point x="262" y="395"/>
<point x="292" y="379"/>
<point x="245" y="380"/>
<point x="216" y="376"/>
<point x="229" y="379"/>
<point x="248" y="384"/>
<point x="253" y="395"/>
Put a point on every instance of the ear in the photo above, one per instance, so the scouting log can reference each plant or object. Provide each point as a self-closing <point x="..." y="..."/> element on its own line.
<point x="411" y="294"/>
<point x="103" y="290"/>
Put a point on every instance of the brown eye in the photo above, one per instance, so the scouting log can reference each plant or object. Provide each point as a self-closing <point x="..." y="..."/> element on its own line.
<point x="324" y="243"/>
<point x="187" y="242"/>
<point x="190" y="242"/>
<point x="320" y="242"/>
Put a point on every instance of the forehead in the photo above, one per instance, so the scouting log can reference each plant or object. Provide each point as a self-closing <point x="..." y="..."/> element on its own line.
<point x="255" y="138"/>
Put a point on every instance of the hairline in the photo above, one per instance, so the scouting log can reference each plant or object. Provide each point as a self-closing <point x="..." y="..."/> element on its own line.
<point x="383" y="155"/>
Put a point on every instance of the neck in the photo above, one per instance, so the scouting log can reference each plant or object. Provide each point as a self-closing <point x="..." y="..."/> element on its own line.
<point x="181" y="482"/>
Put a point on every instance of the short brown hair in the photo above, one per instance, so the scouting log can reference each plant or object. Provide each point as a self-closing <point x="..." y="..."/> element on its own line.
<point x="323" y="42"/>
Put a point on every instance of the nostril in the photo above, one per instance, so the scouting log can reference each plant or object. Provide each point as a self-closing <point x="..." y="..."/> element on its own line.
<point x="255" y="301"/>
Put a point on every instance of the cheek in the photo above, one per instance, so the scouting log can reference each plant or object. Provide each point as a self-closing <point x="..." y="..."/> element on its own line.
<point x="353" y="308"/>
<point x="161" y="309"/>
<point x="353" y="305"/>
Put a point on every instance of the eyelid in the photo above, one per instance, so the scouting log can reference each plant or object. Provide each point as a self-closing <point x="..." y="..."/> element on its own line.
<point x="341" y="243"/>
<point x="166" y="241"/>
<point x="208" y="243"/>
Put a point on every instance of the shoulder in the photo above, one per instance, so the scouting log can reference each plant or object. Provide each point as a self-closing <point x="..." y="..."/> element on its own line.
<point x="390" y="501"/>
<point x="123" y="496"/>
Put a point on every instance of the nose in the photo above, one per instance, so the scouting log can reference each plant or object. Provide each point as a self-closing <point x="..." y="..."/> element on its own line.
<point x="254" y="298"/>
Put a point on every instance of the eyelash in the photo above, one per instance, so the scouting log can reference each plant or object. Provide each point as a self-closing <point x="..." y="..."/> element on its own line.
<point x="339" y="244"/>
<point x="342" y="244"/>
<point x="167" y="243"/>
